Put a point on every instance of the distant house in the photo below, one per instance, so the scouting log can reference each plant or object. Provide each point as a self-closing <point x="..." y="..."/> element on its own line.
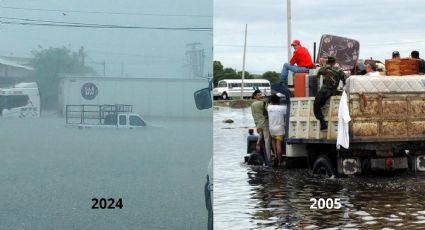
<point x="14" y="70"/>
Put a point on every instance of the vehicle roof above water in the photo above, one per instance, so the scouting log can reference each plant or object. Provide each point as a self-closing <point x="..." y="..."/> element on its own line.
<point x="26" y="85"/>
<point x="23" y="85"/>
<point x="112" y="119"/>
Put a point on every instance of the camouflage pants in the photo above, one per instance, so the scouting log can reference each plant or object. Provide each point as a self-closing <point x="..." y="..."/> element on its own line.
<point x="322" y="96"/>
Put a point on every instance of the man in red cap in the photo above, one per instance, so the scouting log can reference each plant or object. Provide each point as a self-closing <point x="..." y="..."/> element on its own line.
<point x="300" y="62"/>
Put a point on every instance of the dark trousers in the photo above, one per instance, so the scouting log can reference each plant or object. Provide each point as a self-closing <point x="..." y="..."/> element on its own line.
<point x="322" y="96"/>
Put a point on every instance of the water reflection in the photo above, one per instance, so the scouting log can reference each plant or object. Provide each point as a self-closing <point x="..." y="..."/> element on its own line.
<point x="262" y="198"/>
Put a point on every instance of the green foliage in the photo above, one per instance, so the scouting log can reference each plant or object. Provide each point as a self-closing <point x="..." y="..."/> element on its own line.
<point x="218" y="68"/>
<point x="222" y="73"/>
<point x="272" y="76"/>
<point x="52" y="63"/>
<point x="247" y="75"/>
<point x="228" y="73"/>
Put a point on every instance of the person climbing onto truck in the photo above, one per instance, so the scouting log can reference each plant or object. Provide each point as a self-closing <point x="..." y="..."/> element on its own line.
<point x="300" y="62"/>
<point x="277" y="126"/>
<point x="259" y="113"/>
<point x="332" y="74"/>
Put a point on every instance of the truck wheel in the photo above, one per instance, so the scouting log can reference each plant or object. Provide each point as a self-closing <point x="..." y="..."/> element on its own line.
<point x="323" y="166"/>
<point x="255" y="159"/>
<point x="224" y="96"/>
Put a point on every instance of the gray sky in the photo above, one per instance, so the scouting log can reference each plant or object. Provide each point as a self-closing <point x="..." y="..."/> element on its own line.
<point x="380" y="26"/>
<point x="142" y="52"/>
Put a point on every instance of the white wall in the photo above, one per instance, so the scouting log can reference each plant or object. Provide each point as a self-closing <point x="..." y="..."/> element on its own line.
<point x="149" y="96"/>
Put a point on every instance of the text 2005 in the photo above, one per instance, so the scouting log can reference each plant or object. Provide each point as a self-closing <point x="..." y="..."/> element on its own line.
<point x="104" y="203"/>
<point x="328" y="203"/>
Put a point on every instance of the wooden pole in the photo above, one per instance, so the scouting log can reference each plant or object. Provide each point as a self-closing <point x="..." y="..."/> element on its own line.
<point x="243" y="62"/>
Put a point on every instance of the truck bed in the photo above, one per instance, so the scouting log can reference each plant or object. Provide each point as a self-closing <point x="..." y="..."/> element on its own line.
<point x="375" y="117"/>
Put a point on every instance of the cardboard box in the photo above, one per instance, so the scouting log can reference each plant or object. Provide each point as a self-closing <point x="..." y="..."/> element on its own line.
<point x="401" y="66"/>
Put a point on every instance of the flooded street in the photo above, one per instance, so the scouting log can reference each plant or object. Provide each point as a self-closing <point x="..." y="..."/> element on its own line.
<point x="50" y="173"/>
<point x="250" y="197"/>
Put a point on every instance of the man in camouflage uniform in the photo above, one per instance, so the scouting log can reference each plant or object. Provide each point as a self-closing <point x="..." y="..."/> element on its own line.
<point x="332" y="74"/>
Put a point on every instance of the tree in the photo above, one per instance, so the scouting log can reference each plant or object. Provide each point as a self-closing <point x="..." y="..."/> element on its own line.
<point x="247" y="75"/>
<point x="52" y="63"/>
<point x="228" y="73"/>
<point x="218" y="68"/>
<point x="272" y="76"/>
<point x="222" y="73"/>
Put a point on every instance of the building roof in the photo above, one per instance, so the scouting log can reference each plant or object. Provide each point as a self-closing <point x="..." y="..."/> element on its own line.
<point x="5" y="61"/>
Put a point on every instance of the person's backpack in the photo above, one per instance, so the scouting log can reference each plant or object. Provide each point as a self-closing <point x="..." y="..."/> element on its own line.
<point x="331" y="76"/>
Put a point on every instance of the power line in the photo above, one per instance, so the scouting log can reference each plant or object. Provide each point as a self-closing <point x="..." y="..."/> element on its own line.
<point x="35" y="22"/>
<point x="256" y="46"/>
<point x="365" y="44"/>
<point x="104" y="12"/>
<point x="135" y="55"/>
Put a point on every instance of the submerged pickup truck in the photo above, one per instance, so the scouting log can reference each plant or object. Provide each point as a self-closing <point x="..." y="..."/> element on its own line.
<point x="103" y="116"/>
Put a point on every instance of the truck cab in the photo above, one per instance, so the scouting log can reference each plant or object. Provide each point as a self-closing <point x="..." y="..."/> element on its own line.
<point x="22" y="100"/>
<point x="124" y="120"/>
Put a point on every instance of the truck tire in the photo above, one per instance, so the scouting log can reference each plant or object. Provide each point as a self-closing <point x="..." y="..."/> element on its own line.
<point x="255" y="159"/>
<point x="323" y="165"/>
<point x="224" y="96"/>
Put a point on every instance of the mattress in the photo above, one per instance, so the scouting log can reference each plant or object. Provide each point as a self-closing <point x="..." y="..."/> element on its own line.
<point x="385" y="84"/>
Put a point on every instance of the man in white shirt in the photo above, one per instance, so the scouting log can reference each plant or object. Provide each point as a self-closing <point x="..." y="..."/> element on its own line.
<point x="276" y="114"/>
<point x="372" y="69"/>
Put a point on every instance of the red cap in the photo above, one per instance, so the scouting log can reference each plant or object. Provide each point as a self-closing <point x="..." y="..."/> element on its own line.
<point x="296" y="43"/>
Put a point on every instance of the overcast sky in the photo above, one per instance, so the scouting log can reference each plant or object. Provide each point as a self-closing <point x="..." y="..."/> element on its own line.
<point x="141" y="52"/>
<point x="380" y="26"/>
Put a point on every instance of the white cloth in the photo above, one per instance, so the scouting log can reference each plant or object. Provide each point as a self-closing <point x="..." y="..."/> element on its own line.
<point x="276" y="119"/>
<point x="343" y="121"/>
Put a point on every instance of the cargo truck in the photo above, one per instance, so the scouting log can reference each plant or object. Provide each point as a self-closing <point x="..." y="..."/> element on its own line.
<point x="159" y="97"/>
<point x="386" y="131"/>
<point x="22" y="100"/>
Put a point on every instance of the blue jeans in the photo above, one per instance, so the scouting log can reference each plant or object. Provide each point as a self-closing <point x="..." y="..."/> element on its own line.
<point x="293" y="68"/>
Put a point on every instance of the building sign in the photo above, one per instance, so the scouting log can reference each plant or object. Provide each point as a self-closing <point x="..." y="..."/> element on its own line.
<point x="89" y="91"/>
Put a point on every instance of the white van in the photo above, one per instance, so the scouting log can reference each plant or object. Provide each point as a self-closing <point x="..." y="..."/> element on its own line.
<point x="23" y="100"/>
<point x="230" y="88"/>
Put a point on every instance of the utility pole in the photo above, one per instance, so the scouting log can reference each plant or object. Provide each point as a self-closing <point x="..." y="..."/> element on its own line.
<point x="243" y="62"/>
<point x="288" y="19"/>
<point x="122" y="69"/>
<point x="82" y="55"/>
<point x="104" y="68"/>
<point x="196" y="59"/>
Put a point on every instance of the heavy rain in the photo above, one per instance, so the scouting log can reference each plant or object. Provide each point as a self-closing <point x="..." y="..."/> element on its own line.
<point x="99" y="125"/>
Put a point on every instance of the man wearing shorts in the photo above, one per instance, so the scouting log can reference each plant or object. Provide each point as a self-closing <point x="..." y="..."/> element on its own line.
<point x="276" y="126"/>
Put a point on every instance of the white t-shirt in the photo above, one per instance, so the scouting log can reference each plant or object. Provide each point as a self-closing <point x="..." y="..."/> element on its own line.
<point x="276" y="119"/>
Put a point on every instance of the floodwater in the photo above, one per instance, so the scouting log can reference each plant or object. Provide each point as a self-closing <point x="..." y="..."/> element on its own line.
<point x="252" y="197"/>
<point x="49" y="174"/>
